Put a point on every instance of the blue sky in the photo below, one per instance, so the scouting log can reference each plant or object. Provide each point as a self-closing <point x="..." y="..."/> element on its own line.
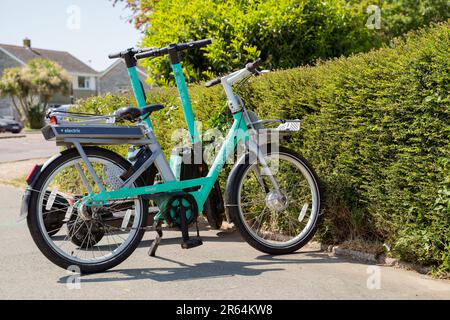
<point x="98" y="29"/>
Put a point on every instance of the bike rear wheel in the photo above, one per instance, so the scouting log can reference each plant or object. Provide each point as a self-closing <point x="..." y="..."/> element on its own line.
<point x="267" y="224"/>
<point x="100" y="237"/>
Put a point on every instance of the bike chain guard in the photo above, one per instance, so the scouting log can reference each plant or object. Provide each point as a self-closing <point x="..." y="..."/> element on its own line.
<point x="172" y="212"/>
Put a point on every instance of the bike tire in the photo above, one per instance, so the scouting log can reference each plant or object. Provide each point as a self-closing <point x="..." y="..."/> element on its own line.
<point x="232" y="200"/>
<point x="39" y="238"/>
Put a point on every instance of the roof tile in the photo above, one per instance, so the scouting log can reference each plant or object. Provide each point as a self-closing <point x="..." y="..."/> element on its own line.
<point x="64" y="59"/>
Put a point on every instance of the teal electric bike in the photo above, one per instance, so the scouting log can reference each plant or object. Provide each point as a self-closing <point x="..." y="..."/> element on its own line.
<point x="90" y="207"/>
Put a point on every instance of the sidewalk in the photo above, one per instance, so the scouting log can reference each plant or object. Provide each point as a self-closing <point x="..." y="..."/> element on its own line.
<point x="7" y="135"/>
<point x="28" y="146"/>
<point x="14" y="173"/>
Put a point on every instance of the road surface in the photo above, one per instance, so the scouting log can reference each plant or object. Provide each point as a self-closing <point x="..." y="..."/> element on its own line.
<point x="32" y="146"/>
<point x="225" y="267"/>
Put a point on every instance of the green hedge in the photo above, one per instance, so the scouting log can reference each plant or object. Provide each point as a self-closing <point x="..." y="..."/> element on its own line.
<point x="376" y="127"/>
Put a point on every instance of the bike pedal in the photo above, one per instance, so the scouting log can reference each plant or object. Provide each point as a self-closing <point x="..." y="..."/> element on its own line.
<point x="191" y="243"/>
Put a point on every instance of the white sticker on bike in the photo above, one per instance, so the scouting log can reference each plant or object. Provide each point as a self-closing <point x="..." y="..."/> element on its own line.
<point x="290" y="126"/>
<point x="51" y="200"/>
<point x="126" y="220"/>
<point x="303" y="212"/>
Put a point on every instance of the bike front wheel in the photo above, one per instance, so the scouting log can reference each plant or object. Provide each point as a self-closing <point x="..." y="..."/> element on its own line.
<point x="275" y="222"/>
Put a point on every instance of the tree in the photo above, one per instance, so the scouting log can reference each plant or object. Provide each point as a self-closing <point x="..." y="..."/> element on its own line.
<point x="285" y="33"/>
<point x="140" y="10"/>
<point x="32" y="86"/>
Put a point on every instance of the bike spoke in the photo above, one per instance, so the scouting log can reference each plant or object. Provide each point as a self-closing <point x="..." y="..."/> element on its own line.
<point x="279" y="226"/>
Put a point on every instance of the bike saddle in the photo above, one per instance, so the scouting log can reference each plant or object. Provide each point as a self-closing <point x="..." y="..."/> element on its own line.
<point x="133" y="114"/>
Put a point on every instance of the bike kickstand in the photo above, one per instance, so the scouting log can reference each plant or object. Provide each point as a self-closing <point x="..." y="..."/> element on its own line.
<point x="187" y="242"/>
<point x="159" y="234"/>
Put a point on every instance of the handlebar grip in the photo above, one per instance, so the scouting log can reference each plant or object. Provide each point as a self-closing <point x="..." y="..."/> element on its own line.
<point x="115" y="55"/>
<point x="123" y="54"/>
<point x="193" y="44"/>
<point x="202" y="43"/>
<point x="214" y="82"/>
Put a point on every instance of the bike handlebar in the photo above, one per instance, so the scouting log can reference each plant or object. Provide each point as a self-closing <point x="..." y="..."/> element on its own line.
<point x="251" y="67"/>
<point x="214" y="82"/>
<point x="115" y="55"/>
<point x="194" y="44"/>
<point x="152" y="53"/>
<point x="179" y="47"/>
<point x="123" y="54"/>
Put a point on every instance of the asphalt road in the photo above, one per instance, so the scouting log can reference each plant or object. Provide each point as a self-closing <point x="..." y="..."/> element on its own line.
<point x="223" y="268"/>
<point x="32" y="146"/>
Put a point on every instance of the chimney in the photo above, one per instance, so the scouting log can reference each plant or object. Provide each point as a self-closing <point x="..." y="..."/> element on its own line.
<point x="27" y="43"/>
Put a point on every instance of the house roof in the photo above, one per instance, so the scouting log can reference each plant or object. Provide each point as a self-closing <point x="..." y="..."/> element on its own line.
<point x="64" y="59"/>
<point x="121" y="63"/>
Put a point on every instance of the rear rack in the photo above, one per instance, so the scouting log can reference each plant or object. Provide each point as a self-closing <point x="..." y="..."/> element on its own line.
<point x="91" y="129"/>
<point x="86" y="134"/>
<point x="81" y="118"/>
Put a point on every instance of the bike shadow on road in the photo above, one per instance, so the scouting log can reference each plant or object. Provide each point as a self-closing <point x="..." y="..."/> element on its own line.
<point x="221" y="236"/>
<point x="181" y="271"/>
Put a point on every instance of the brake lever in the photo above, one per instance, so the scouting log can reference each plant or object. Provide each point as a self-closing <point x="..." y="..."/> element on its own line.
<point x="258" y="73"/>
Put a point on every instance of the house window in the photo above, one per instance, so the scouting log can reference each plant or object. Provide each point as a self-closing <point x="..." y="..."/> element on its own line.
<point x="83" y="83"/>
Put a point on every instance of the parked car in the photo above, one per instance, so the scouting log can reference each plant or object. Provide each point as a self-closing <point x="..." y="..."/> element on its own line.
<point x="10" y="125"/>
<point x="3" y="126"/>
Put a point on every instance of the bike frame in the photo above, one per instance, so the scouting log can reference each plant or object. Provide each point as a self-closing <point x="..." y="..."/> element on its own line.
<point x="182" y="90"/>
<point x="199" y="188"/>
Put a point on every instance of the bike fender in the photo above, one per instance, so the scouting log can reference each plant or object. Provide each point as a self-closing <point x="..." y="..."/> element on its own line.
<point x="234" y="175"/>
<point x="27" y="194"/>
<point x="230" y="182"/>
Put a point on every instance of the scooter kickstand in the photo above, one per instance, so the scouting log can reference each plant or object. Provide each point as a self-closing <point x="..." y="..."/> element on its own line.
<point x="159" y="234"/>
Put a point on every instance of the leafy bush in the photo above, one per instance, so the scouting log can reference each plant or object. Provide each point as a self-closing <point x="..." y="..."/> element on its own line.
<point x="31" y="88"/>
<point x="285" y="33"/>
<point x="374" y="127"/>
